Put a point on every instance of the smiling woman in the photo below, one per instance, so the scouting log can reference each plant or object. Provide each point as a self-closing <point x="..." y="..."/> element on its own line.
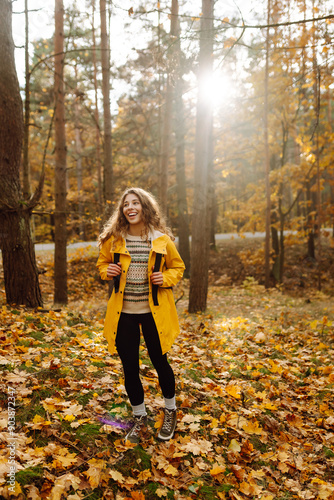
<point x="140" y="257"/>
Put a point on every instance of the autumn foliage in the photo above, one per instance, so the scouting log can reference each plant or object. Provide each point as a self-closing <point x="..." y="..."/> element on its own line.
<point x="255" y="382"/>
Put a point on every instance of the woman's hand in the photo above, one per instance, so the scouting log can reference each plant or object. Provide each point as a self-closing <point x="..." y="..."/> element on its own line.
<point x="113" y="270"/>
<point x="157" y="278"/>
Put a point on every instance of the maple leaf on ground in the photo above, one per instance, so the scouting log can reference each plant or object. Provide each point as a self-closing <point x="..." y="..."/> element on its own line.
<point x="117" y="476"/>
<point x="95" y="471"/>
<point x="196" y="447"/>
<point x="63" y="484"/>
<point x="33" y="492"/>
<point x="250" y="488"/>
<point x="64" y="459"/>
<point x="238" y="471"/>
<point x="324" y="490"/>
<point x="161" y="492"/>
<point x="253" y="428"/>
<point x="170" y="470"/>
<point x="144" y="475"/>
<point x="235" y="495"/>
<point x="38" y="422"/>
<point x="137" y="495"/>
<point x="217" y="469"/>
<point x="236" y="421"/>
<point x="234" y="391"/>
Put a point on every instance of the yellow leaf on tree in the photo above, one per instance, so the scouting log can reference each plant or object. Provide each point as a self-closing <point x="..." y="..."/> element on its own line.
<point x="229" y="42"/>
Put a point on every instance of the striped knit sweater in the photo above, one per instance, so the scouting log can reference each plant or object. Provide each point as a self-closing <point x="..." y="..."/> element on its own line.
<point x="136" y="290"/>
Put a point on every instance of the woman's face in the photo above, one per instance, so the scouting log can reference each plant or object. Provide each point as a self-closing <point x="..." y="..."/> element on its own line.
<point x="132" y="209"/>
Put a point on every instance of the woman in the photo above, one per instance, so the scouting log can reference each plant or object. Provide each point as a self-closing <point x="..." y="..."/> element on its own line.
<point x="137" y="252"/>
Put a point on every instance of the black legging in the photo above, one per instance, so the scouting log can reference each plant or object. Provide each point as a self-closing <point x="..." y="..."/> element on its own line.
<point x="127" y="344"/>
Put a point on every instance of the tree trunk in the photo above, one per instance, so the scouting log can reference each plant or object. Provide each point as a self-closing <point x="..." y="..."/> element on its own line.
<point x="311" y="205"/>
<point x="78" y="153"/>
<point x="167" y="122"/>
<point x="275" y="244"/>
<point x="211" y="192"/>
<point x="267" y="160"/>
<point x="200" y="235"/>
<point x="19" y="264"/>
<point x="96" y="117"/>
<point x="25" y="163"/>
<point x="60" y="257"/>
<point x="310" y="222"/>
<point x="165" y="153"/>
<point x="105" y="58"/>
<point x="182" y="207"/>
<point x="181" y="186"/>
<point x="281" y="247"/>
<point x="179" y="129"/>
<point x="18" y="258"/>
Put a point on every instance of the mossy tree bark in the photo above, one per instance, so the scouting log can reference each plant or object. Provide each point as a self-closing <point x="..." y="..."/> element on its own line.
<point x="19" y="264"/>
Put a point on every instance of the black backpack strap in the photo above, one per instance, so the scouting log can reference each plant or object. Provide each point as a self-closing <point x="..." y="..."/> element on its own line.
<point x="116" y="278"/>
<point x="156" y="268"/>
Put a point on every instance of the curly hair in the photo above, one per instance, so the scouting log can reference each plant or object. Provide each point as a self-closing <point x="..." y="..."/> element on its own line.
<point x="117" y="226"/>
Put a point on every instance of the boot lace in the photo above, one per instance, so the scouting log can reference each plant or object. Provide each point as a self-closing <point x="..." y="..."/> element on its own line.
<point x="135" y="431"/>
<point x="168" y="421"/>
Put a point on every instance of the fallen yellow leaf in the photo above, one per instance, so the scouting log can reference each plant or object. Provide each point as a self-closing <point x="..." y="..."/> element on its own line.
<point x="234" y="445"/>
<point x="253" y="428"/>
<point x="217" y="469"/>
<point x="234" y="391"/>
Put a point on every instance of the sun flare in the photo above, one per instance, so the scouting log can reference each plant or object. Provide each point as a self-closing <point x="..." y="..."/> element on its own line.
<point x="217" y="89"/>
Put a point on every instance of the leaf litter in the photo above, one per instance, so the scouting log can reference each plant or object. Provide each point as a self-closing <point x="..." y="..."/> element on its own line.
<point x="255" y="382"/>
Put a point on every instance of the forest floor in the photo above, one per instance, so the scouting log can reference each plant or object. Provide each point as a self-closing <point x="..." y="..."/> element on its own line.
<point x="255" y="384"/>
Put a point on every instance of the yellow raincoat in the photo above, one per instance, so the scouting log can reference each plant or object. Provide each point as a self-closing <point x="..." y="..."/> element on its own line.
<point x="164" y="314"/>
